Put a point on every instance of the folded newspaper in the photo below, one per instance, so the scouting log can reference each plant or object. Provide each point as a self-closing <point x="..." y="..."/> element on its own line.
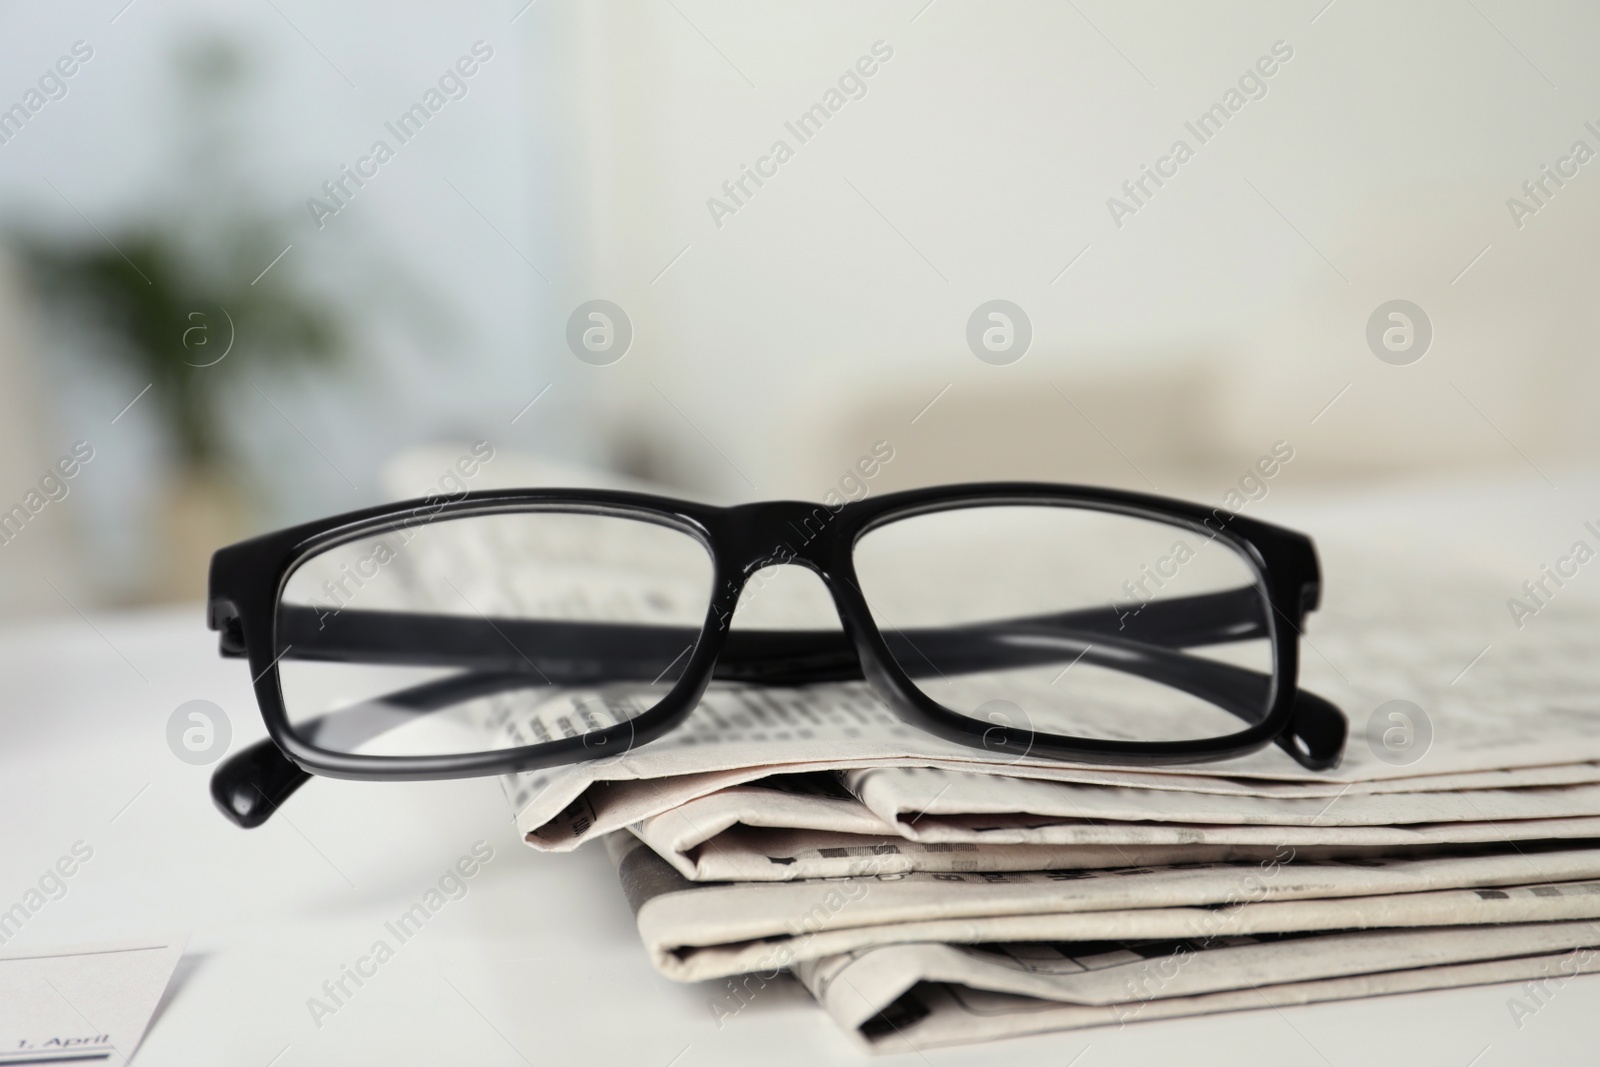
<point x="700" y="930"/>
<point x="926" y="897"/>
<point x="929" y="894"/>
<point x="904" y="998"/>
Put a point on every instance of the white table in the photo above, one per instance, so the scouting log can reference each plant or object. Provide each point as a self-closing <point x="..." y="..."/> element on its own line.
<point x="538" y="963"/>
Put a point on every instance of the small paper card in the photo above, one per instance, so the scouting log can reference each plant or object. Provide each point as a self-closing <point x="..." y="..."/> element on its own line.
<point x="88" y="1004"/>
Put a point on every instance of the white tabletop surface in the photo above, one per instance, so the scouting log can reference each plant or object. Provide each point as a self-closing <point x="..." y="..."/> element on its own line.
<point x="539" y="962"/>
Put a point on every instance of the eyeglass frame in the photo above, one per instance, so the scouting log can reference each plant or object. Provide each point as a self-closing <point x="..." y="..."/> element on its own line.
<point x="247" y="581"/>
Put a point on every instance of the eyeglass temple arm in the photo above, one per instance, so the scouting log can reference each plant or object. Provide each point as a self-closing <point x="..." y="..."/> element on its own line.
<point x="575" y="652"/>
<point x="1314" y="737"/>
<point x="250" y="785"/>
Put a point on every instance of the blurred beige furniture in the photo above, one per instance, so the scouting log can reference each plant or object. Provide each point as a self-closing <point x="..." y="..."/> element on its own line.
<point x="1155" y="430"/>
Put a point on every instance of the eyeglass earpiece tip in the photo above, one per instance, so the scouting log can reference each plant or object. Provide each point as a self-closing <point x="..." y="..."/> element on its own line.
<point x="249" y="785"/>
<point x="1316" y="734"/>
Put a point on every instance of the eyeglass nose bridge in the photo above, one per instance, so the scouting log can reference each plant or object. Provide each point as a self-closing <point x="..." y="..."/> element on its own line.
<point x="754" y="537"/>
<point x="782" y="532"/>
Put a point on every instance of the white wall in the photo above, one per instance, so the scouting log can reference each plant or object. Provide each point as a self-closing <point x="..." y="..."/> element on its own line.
<point x="1377" y="166"/>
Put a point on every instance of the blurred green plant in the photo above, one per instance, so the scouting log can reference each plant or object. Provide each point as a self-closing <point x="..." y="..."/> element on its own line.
<point x="175" y="319"/>
<point x="179" y="295"/>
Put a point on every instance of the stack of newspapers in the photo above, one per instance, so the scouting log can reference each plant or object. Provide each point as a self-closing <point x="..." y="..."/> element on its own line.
<point x="928" y="894"/>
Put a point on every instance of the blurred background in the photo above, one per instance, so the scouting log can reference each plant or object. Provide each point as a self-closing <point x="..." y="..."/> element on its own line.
<point x="267" y="261"/>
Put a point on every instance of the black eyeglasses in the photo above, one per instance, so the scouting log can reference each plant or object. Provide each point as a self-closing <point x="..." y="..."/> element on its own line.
<point x="504" y="631"/>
